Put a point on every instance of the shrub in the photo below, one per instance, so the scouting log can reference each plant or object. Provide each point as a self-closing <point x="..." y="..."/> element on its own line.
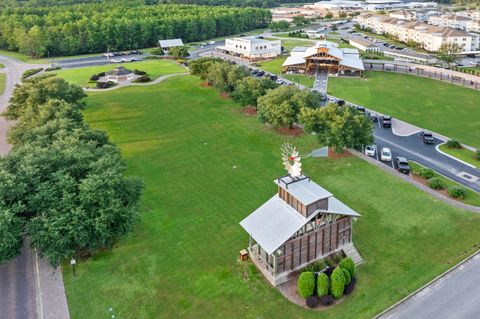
<point x="336" y="259"/>
<point x="348" y="264"/>
<point x="53" y="68"/>
<point x="337" y="283"/>
<point x="151" y="57"/>
<point x="306" y="284"/>
<point x="347" y="276"/>
<point x="323" y="284"/>
<point x="30" y="72"/>
<point x="435" y="183"/>
<point x="142" y="79"/>
<point x="329" y="262"/>
<point x="457" y="192"/>
<point x="312" y="301"/>
<point x="477" y="155"/>
<point x="315" y="267"/>
<point x="426" y="173"/>
<point x="105" y="85"/>
<point x="139" y="72"/>
<point x="157" y="51"/>
<point x="453" y="144"/>
<point x="94" y="77"/>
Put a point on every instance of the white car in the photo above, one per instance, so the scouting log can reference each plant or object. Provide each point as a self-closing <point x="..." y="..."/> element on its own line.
<point x="108" y="55"/>
<point x="211" y="42"/>
<point x="386" y="154"/>
<point x="117" y="60"/>
<point x="370" y="150"/>
<point x="279" y="81"/>
<point x="332" y="100"/>
<point x="126" y="60"/>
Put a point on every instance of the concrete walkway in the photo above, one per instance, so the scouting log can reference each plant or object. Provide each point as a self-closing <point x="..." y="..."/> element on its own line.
<point x="29" y="286"/>
<point x="321" y="81"/>
<point x="119" y="86"/>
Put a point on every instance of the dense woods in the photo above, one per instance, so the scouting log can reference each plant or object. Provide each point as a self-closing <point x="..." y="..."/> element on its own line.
<point x="90" y="28"/>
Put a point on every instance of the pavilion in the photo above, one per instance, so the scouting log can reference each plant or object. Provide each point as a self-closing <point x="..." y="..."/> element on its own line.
<point x="324" y="55"/>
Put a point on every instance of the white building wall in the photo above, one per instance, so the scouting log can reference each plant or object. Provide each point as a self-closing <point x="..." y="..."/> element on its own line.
<point x="254" y="48"/>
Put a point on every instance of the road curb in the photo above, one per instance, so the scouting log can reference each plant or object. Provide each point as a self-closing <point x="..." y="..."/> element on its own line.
<point x="451" y="156"/>
<point x="434" y="280"/>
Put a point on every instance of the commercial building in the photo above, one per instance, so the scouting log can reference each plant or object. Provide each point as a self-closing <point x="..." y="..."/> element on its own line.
<point x="324" y="55"/>
<point x="349" y="5"/>
<point x="431" y="38"/>
<point x="167" y="44"/>
<point x="363" y="45"/>
<point x="251" y="48"/>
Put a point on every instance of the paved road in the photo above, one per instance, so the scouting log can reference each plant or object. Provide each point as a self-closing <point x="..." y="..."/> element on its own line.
<point x="412" y="148"/>
<point x="17" y="287"/>
<point x="455" y="296"/>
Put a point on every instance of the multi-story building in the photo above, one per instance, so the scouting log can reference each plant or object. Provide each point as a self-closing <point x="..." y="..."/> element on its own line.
<point x="472" y="14"/>
<point x="473" y="26"/>
<point x="251" y="48"/>
<point x="450" y="20"/>
<point x="414" y="15"/>
<point x="431" y="38"/>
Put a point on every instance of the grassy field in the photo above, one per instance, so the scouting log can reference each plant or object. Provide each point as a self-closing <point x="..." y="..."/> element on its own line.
<point x="445" y="108"/>
<point x="206" y="166"/>
<point x="462" y="153"/>
<point x="275" y="66"/>
<point x="471" y="198"/>
<point x="155" y="68"/>
<point x="3" y="77"/>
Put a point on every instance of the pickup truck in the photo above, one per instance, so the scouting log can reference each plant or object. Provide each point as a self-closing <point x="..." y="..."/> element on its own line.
<point x="386" y="121"/>
<point x="427" y="137"/>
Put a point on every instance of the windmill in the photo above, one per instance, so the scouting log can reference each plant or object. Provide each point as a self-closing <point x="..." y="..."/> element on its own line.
<point x="292" y="160"/>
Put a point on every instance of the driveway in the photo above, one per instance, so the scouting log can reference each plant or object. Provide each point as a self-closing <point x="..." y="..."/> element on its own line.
<point x="454" y="296"/>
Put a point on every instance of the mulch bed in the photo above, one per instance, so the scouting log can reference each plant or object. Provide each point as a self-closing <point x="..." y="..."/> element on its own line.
<point x="423" y="181"/>
<point x="332" y="154"/>
<point x="249" y="110"/>
<point x="224" y="96"/>
<point x="294" y="131"/>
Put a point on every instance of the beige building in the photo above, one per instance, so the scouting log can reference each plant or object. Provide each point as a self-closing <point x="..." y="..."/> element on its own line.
<point x="251" y="48"/>
<point x="431" y="38"/>
<point x="450" y="20"/>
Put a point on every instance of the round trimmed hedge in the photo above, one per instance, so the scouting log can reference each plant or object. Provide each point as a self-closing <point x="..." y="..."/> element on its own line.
<point x="348" y="264"/>
<point x="323" y="284"/>
<point x="457" y="192"/>
<point x="306" y="284"/>
<point x="435" y="183"/>
<point x="347" y="276"/>
<point x="337" y="283"/>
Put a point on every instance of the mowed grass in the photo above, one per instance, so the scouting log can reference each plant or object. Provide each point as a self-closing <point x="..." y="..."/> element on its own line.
<point x="206" y="166"/>
<point x="154" y="68"/>
<point x="3" y="78"/>
<point x="275" y="66"/>
<point x="447" y="109"/>
<point x="462" y="154"/>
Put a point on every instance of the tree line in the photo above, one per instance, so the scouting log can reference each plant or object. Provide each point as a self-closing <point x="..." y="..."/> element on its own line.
<point x="62" y="183"/>
<point x="336" y="126"/>
<point x="92" y="28"/>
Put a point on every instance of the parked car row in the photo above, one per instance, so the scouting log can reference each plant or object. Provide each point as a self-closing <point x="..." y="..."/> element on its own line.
<point x="127" y="59"/>
<point x="112" y="54"/>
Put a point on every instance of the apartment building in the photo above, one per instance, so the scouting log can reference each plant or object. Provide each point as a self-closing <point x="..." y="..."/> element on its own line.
<point x="431" y="38"/>
<point x="473" y="26"/>
<point x="450" y="20"/>
<point x="414" y="15"/>
<point x="472" y="14"/>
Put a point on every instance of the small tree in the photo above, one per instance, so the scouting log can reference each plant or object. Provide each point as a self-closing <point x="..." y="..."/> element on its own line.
<point x="328" y="15"/>
<point x="347" y="276"/>
<point x="249" y="89"/>
<point x="11" y="230"/>
<point x="323" y="284"/>
<point x="348" y="264"/>
<point x="200" y="67"/>
<point x="448" y="53"/>
<point x="300" y="20"/>
<point x="453" y="144"/>
<point x="179" y="52"/>
<point x="306" y="284"/>
<point x="337" y="283"/>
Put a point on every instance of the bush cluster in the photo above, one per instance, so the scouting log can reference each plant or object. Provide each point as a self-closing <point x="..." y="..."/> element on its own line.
<point x="453" y="144"/>
<point x="337" y="283"/>
<point x="105" y="85"/>
<point x="323" y="284"/>
<point x="53" y="68"/>
<point x="436" y="183"/>
<point x="427" y="173"/>
<point x="139" y="72"/>
<point x="316" y="266"/>
<point x="348" y="264"/>
<point x="142" y="79"/>
<point x="96" y="77"/>
<point x="306" y="284"/>
<point x="457" y="192"/>
<point x="477" y="155"/>
<point x="157" y="51"/>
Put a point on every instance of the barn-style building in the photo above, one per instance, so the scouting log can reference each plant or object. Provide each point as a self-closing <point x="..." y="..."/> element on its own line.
<point x="300" y="224"/>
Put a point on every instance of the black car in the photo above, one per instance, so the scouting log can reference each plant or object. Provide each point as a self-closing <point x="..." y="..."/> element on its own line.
<point x="402" y="165"/>
<point x="273" y="77"/>
<point x="254" y="72"/>
<point x="386" y="121"/>
<point x="427" y="137"/>
<point x="340" y="102"/>
<point x="360" y="108"/>
<point x="323" y="97"/>
<point x="374" y="117"/>
<point x="260" y="73"/>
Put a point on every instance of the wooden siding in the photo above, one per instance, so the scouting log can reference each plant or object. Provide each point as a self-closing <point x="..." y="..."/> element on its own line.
<point x="311" y="246"/>
<point x="292" y="201"/>
<point x="321" y="204"/>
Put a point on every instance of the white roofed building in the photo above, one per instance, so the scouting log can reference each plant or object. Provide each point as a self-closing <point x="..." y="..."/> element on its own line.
<point x="324" y="55"/>
<point x="251" y="48"/>
<point x="300" y="224"/>
<point x="170" y="43"/>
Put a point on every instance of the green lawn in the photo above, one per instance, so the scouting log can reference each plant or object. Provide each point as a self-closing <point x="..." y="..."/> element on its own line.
<point x="1" y="66"/>
<point x="3" y="77"/>
<point x="275" y="66"/>
<point x="293" y="42"/>
<point x="471" y="198"/>
<point x="462" y="153"/>
<point x="206" y="166"/>
<point x="154" y="68"/>
<point x="445" y="108"/>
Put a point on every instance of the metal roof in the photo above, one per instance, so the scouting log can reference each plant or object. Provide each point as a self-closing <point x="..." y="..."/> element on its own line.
<point x="169" y="43"/>
<point x="273" y="223"/>
<point x="337" y="207"/>
<point x="118" y="71"/>
<point x="306" y="191"/>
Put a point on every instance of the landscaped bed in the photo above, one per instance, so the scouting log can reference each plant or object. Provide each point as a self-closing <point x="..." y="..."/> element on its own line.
<point x="448" y="109"/>
<point x="462" y="154"/>
<point x="206" y="166"/>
